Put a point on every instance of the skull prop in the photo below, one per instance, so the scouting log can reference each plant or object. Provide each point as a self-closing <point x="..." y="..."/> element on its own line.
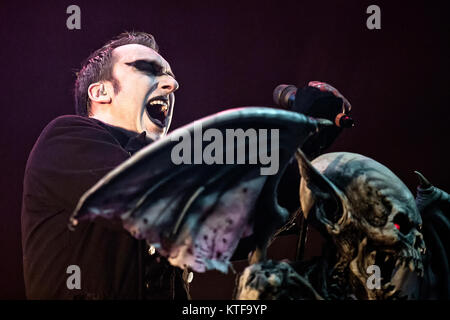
<point x="369" y="217"/>
<point x="273" y="280"/>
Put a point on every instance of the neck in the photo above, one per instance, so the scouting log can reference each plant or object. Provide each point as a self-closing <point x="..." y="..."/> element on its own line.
<point x="107" y="118"/>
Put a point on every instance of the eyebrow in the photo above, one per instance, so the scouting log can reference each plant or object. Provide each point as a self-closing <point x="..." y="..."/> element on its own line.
<point x="151" y="66"/>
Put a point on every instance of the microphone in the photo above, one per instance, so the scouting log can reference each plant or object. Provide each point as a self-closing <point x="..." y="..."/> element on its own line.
<point x="318" y="99"/>
<point x="284" y="95"/>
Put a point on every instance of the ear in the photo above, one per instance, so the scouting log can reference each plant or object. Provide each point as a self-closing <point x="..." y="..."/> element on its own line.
<point x="100" y="92"/>
<point x="318" y="195"/>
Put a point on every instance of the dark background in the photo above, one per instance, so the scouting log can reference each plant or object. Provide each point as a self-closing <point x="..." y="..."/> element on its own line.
<point x="230" y="54"/>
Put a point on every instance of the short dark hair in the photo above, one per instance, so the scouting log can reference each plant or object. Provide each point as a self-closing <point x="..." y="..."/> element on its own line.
<point x="98" y="66"/>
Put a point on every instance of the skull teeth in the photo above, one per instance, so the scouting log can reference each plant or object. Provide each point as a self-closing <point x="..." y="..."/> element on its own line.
<point x="412" y="262"/>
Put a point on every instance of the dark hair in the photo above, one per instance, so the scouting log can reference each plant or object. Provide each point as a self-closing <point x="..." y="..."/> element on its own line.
<point x="98" y="66"/>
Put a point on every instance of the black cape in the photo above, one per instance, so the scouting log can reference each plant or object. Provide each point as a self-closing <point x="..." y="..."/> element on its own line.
<point x="70" y="156"/>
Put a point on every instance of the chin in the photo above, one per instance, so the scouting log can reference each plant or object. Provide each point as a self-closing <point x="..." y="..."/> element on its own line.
<point x="154" y="134"/>
<point x="152" y="130"/>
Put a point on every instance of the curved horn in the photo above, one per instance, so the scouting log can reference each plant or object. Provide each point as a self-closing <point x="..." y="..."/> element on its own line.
<point x="423" y="182"/>
<point x="429" y="196"/>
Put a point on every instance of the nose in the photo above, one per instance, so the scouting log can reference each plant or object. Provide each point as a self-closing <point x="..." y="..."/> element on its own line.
<point x="168" y="84"/>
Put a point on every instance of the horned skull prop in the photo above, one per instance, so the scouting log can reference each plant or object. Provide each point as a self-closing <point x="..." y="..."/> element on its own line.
<point x="371" y="218"/>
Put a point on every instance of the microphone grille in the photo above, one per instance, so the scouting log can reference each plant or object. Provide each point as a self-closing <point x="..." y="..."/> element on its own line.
<point x="282" y="93"/>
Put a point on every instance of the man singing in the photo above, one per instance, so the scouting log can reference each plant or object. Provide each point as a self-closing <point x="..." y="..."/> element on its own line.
<point x="124" y="96"/>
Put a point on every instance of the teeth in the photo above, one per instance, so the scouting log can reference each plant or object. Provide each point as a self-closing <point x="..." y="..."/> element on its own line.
<point x="164" y="103"/>
<point x="411" y="266"/>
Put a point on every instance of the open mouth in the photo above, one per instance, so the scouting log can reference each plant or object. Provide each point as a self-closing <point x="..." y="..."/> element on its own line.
<point x="399" y="274"/>
<point x="157" y="110"/>
<point x="387" y="264"/>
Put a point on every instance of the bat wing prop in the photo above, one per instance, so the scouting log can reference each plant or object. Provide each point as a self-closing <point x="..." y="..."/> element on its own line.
<point x="193" y="196"/>
<point x="434" y="207"/>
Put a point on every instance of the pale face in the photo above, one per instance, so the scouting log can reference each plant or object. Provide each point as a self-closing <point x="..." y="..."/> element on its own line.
<point x="145" y="100"/>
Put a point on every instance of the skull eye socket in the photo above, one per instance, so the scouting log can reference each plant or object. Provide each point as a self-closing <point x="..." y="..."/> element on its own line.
<point x="402" y="223"/>
<point x="331" y="209"/>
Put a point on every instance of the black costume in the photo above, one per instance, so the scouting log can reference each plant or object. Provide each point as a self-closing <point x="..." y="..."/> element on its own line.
<point x="70" y="156"/>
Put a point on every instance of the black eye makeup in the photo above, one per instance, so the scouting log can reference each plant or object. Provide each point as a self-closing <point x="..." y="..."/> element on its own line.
<point x="151" y="67"/>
